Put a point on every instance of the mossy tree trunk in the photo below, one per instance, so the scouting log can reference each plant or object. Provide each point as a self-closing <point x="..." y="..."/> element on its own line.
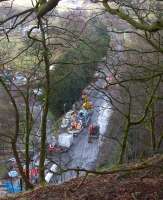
<point x="124" y="142"/>
<point x="45" y="55"/>
<point x="28" y="126"/>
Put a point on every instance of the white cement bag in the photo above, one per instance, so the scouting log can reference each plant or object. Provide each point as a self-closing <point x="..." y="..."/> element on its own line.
<point x="53" y="168"/>
<point x="48" y="177"/>
<point x="65" y="140"/>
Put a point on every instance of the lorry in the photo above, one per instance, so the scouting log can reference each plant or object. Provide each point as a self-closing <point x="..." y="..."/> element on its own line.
<point x="63" y="143"/>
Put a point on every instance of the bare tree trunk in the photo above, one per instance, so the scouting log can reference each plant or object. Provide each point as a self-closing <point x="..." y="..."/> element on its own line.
<point x="124" y="142"/>
<point x="46" y="105"/>
<point x="27" y="132"/>
<point x="28" y="185"/>
<point x="153" y="137"/>
<point x="160" y="142"/>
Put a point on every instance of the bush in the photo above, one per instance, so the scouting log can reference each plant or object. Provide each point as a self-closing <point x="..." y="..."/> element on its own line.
<point x="68" y="80"/>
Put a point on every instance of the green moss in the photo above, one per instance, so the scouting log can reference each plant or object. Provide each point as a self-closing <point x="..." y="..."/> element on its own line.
<point x="3" y="169"/>
<point x="108" y="167"/>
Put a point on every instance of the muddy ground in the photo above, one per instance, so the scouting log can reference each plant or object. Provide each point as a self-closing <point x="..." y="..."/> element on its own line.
<point x="145" y="184"/>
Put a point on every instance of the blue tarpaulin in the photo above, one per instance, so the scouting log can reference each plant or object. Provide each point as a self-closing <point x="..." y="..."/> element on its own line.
<point x="12" y="187"/>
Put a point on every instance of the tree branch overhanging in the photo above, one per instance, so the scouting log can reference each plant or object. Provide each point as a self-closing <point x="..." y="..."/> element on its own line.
<point x="45" y="7"/>
<point x="153" y="27"/>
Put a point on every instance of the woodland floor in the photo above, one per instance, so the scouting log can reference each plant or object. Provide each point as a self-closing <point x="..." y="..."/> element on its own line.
<point x="144" y="184"/>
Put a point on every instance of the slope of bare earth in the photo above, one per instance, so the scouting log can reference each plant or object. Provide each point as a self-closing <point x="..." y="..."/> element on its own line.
<point x="144" y="184"/>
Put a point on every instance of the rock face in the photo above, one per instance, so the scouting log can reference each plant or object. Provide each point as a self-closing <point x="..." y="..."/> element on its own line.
<point x="109" y="150"/>
<point x="128" y="58"/>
